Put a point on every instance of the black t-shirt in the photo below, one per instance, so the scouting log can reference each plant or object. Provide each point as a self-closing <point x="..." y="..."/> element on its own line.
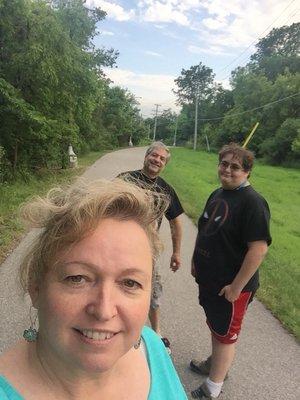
<point x="158" y="185"/>
<point x="230" y="220"/>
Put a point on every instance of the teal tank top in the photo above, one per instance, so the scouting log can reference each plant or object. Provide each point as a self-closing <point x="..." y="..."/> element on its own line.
<point x="165" y="383"/>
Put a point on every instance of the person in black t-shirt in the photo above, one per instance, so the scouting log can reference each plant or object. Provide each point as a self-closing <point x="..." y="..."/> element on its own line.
<point x="232" y="241"/>
<point x="156" y="158"/>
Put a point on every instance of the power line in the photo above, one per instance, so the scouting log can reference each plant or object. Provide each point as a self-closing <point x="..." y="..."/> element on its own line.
<point x="252" y="109"/>
<point x="252" y="43"/>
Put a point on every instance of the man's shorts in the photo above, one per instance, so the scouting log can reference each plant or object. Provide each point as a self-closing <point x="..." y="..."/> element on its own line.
<point x="223" y="317"/>
<point x="156" y="290"/>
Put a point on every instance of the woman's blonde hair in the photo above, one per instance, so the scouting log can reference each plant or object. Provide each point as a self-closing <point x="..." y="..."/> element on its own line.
<point x="67" y="215"/>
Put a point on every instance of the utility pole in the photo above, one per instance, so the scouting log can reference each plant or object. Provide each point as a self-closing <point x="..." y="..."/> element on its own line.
<point x="196" y="120"/>
<point x="155" y="121"/>
<point x="175" y="132"/>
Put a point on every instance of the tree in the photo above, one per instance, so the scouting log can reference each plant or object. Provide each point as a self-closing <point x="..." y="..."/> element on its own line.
<point x="284" y="41"/>
<point x="52" y="80"/>
<point x="284" y="145"/>
<point x="185" y="126"/>
<point x="121" y="117"/>
<point x="278" y="52"/>
<point x="166" y="122"/>
<point x="195" y="81"/>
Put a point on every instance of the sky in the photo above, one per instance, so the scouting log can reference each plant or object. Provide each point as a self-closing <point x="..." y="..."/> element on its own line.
<point x="156" y="39"/>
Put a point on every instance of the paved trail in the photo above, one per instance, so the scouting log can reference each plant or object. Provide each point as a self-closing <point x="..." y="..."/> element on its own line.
<point x="267" y="365"/>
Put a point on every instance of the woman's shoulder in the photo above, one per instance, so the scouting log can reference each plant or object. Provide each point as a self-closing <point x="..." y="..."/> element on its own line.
<point x="12" y="370"/>
<point x="148" y="333"/>
<point x="7" y="391"/>
<point x="154" y="343"/>
<point x="165" y="383"/>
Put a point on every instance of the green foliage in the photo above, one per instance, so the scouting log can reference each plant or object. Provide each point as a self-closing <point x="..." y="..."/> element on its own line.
<point x="195" y="81"/>
<point x="283" y="145"/>
<point x="266" y="90"/>
<point x="185" y="126"/>
<point x="284" y="41"/>
<point x="121" y="117"/>
<point x="53" y="91"/>
<point x="165" y="129"/>
<point x="194" y="175"/>
<point x="4" y="167"/>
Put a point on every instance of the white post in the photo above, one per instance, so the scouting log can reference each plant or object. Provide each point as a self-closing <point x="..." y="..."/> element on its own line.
<point x="72" y="157"/>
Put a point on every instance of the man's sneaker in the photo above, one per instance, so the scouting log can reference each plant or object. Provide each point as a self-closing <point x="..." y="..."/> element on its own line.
<point x="202" y="367"/>
<point x="203" y="393"/>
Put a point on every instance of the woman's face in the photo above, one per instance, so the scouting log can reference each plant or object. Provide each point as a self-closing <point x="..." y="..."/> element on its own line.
<point x="94" y="303"/>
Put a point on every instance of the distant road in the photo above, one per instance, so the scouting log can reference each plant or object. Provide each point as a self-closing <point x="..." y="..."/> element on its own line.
<point x="267" y="366"/>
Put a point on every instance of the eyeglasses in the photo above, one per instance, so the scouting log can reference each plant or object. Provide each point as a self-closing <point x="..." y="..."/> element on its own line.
<point x="233" y="167"/>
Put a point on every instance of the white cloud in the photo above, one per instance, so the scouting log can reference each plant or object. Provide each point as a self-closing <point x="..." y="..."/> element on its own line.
<point x="237" y="23"/>
<point x="152" y="53"/>
<point x="215" y="50"/>
<point x="230" y="23"/>
<point x="165" y="12"/>
<point x="106" y="33"/>
<point x="114" y="10"/>
<point x="152" y="88"/>
<point x="214" y="24"/>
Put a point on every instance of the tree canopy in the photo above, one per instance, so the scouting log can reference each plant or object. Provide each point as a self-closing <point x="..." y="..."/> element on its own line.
<point x="53" y="91"/>
<point x="195" y="81"/>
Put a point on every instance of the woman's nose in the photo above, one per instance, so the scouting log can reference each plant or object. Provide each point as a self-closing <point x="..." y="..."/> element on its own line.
<point x="103" y="304"/>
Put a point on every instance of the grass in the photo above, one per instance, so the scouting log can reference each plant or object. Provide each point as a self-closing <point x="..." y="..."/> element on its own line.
<point x="194" y="176"/>
<point x="14" y="194"/>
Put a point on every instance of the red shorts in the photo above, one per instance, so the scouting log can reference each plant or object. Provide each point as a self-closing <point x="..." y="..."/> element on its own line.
<point x="223" y="317"/>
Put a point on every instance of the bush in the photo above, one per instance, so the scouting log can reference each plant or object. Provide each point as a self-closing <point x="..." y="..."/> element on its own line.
<point x="282" y="147"/>
<point x="5" y="169"/>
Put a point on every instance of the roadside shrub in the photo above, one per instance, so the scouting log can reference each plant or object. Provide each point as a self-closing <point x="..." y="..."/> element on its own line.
<point x="5" y="169"/>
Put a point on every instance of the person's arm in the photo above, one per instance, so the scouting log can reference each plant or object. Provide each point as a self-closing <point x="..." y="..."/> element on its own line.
<point x="176" y="234"/>
<point x="193" y="270"/>
<point x="253" y="258"/>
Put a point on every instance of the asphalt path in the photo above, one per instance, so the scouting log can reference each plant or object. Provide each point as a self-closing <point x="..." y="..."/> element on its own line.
<point x="267" y="363"/>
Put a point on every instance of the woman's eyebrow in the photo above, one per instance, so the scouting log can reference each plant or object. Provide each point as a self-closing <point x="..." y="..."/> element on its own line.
<point x="129" y="270"/>
<point x="133" y="270"/>
<point x="79" y="263"/>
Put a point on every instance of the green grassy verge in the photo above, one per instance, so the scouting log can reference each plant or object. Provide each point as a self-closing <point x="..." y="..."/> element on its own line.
<point x="194" y="176"/>
<point x="13" y="194"/>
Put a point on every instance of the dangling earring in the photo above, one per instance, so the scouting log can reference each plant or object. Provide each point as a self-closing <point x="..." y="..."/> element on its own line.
<point x="31" y="334"/>
<point x="138" y="343"/>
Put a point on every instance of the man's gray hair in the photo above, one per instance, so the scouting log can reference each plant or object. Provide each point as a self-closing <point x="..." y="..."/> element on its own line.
<point x="158" y="145"/>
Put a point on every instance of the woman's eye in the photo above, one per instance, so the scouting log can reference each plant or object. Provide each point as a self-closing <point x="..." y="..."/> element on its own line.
<point x="75" y="279"/>
<point x="131" y="284"/>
